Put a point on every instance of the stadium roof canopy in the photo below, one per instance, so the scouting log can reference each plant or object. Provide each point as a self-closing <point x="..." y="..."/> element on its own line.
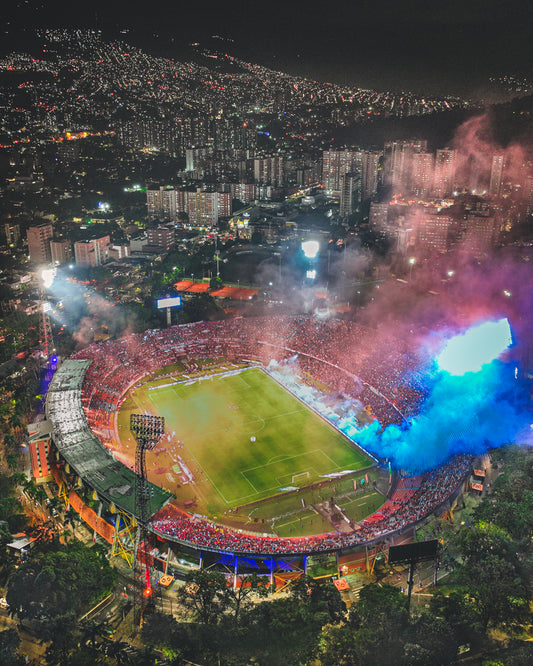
<point x="82" y="449"/>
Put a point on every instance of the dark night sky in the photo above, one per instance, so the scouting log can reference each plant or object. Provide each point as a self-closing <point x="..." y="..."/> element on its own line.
<point x="438" y="47"/>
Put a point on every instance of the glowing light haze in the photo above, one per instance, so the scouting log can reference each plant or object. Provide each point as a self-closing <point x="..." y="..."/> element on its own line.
<point x="479" y="345"/>
<point x="47" y="276"/>
<point x="310" y="248"/>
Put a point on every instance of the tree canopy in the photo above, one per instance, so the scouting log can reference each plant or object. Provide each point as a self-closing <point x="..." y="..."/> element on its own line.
<point x="58" y="584"/>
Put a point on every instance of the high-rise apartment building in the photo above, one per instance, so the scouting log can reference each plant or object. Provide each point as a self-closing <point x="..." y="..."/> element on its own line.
<point x="205" y="208"/>
<point x="194" y="157"/>
<point x="92" y="253"/>
<point x="443" y="184"/>
<point x="350" y="193"/>
<point x="335" y="163"/>
<point x="61" y="251"/>
<point x="165" y="202"/>
<point x="379" y="216"/>
<point x="154" y="201"/>
<point x="398" y="164"/>
<point x="479" y="234"/>
<point x="163" y="237"/>
<point x="496" y="174"/>
<point x="245" y="192"/>
<point x="433" y="231"/>
<point x="269" y="170"/>
<point x="422" y="175"/>
<point x="370" y="164"/>
<point x="12" y="233"/>
<point x="39" y="238"/>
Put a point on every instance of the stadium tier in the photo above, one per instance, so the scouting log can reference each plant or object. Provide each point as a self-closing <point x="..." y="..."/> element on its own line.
<point x="89" y="389"/>
<point x="81" y="449"/>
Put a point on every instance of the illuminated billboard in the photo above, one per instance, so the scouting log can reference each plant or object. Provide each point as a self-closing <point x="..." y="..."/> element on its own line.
<point x="173" y="302"/>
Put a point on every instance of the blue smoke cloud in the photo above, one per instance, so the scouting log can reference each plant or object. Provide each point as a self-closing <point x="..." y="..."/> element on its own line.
<point x="470" y="351"/>
<point x="470" y="413"/>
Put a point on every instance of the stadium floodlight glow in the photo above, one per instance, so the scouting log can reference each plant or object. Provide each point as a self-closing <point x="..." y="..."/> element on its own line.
<point x="478" y="346"/>
<point x="311" y="274"/>
<point x="310" y="248"/>
<point x="173" y="302"/>
<point x="147" y="429"/>
<point x="47" y="276"/>
<point x="46" y="307"/>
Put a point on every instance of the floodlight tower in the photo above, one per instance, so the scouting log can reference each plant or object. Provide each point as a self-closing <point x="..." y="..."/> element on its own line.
<point x="147" y="431"/>
<point x="45" y="330"/>
<point x="45" y="327"/>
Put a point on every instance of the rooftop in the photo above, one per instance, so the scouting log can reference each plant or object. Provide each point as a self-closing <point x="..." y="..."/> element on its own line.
<point x="82" y="449"/>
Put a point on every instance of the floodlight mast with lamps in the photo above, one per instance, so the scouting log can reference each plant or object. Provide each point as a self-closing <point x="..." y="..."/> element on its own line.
<point x="45" y="326"/>
<point x="147" y="431"/>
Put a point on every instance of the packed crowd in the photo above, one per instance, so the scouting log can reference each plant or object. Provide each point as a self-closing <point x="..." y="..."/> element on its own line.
<point x="435" y="487"/>
<point x="341" y="354"/>
<point x="380" y="373"/>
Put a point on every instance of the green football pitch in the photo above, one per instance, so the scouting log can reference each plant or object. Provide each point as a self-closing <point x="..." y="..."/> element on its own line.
<point x="210" y="425"/>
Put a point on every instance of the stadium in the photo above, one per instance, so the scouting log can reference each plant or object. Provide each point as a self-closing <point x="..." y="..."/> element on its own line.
<point x="259" y="465"/>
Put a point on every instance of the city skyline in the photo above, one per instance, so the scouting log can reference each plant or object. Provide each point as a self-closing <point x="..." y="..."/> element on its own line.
<point x="440" y="50"/>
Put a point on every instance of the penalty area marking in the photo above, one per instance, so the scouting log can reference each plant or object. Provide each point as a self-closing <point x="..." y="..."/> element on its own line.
<point x="221" y="494"/>
<point x="299" y="455"/>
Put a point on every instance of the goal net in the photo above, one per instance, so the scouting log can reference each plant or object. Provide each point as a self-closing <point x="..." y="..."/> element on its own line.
<point x="298" y="478"/>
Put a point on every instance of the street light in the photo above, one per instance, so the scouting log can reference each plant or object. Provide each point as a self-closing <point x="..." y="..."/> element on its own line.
<point x="412" y="262"/>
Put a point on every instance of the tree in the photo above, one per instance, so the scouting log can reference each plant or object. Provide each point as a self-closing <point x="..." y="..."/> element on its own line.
<point x="380" y="606"/>
<point x="161" y="630"/>
<point x="492" y="574"/>
<point x="5" y="538"/>
<point x="205" y="593"/>
<point x="240" y="597"/>
<point x="9" y="644"/>
<point x="59" y="631"/>
<point x="12" y="461"/>
<point x="92" y="631"/>
<point x="72" y="518"/>
<point x="281" y="631"/>
<point x="81" y="656"/>
<point x="458" y="611"/>
<point x="445" y="532"/>
<point x="215" y="282"/>
<point x="430" y="641"/>
<point x="60" y="582"/>
<point x="322" y="597"/>
<point x="510" y="504"/>
<point x="338" y="647"/>
<point x="256" y="238"/>
<point x="118" y="650"/>
<point x="380" y="619"/>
